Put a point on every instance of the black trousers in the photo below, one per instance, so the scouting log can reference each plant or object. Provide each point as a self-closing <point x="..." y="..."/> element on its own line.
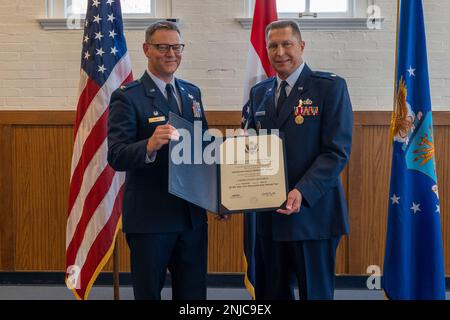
<point x="184" y="254"/>
<point x="280" y="266"/>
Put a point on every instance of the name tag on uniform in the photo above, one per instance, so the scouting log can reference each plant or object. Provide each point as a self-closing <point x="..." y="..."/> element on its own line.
<point x="260" y="113"/>
<point x="156" y="119"/>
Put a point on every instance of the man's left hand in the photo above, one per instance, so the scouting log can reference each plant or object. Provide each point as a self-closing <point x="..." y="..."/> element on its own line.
<point x="294" y="200"/>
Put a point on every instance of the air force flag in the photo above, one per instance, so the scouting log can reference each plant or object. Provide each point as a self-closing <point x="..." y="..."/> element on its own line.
<point x="413" y="264"/>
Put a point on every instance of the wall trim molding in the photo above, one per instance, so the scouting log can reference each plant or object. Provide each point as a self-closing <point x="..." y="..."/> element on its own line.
<point x="50" y="24"/>
<point x="25" y="130"/>
<point x="323" y="23"/>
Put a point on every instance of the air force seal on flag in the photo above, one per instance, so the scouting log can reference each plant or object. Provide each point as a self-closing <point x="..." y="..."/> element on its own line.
<point x="404" y="119"/>
<point x="420" y="154"/>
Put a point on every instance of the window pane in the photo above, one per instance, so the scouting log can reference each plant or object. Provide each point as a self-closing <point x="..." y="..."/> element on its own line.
<point x="328" y="5"/>
<point x="76" y="7"/>
<point x="290" y="6"/>
<point x="128" y="6"/>
<point x="136" y="6"/>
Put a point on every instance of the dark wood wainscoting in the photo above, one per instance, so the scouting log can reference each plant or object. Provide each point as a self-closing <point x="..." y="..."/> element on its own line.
<point x="35" y="155"/>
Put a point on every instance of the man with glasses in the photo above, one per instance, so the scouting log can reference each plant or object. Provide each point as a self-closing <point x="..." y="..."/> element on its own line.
<point x="313" y="111"/>
<point x="162" y="231"/>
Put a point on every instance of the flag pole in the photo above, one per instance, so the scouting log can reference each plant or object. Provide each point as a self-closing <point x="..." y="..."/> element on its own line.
<point x="395" y="91"/>
<point x="395" y="73"/>
<point x="116" y="270"/>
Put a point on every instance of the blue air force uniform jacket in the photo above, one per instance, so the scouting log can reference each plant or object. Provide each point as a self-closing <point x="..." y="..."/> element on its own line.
<point x="317" y="151"/>
<point x="136" y="109"/>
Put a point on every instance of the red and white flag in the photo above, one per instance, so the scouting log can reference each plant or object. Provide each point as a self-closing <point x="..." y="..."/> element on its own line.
<point x="95" y="195"/>
<point x="258" y="69"/>
<point x="258" y="66"/>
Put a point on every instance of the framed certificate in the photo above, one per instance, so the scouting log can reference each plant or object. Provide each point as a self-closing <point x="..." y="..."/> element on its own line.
<point x="253" y="178"/>
<point x="248" y="174"/>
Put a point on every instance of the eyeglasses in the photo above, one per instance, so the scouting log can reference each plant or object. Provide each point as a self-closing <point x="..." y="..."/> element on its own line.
<point x="164" y="48"/>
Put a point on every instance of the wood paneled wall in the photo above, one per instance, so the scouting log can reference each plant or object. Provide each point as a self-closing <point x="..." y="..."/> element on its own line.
<point x="35" y="155"/>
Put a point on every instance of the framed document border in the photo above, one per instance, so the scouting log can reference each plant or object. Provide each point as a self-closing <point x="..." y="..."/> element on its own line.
<point x="224" y="210"/>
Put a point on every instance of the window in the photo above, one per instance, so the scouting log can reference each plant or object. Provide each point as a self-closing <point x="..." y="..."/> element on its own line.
<point x="291" y="9"/>
<point x="129" y="7"/>
<point x="287" y="8"/>
<point x="315" y="8"/>
<point x="137" y="14"/>
<point x="324" y="14"/>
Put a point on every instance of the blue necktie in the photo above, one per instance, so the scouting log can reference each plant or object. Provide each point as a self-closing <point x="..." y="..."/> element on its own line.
<point x="282" y="97"/>
<point x="171" y="101"/>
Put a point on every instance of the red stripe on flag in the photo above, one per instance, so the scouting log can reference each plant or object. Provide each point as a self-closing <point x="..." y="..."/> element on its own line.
<point x="100" y="247"/>
<point x="265" y="12"/>
<point x="89" y="92"/>
<point x="93" y="199"/>
<point x="95" y="139"/>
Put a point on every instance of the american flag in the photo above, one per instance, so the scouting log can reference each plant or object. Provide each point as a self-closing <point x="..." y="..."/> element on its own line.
<point x="95" y="195"/>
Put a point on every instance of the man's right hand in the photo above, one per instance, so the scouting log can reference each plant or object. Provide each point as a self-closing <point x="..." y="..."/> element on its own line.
<point x="161" y="136"/>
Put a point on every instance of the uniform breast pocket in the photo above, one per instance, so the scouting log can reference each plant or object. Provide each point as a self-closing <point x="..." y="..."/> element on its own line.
<point x="310" y="121"/>
<point x="149" y="123"/>
<point x="307" y="124"/>
<point x="260" y="120"/>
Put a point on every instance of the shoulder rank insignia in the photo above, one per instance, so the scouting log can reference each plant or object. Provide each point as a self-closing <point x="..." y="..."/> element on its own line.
<point x="130" y="85"/>
<point x="325" y="75"/>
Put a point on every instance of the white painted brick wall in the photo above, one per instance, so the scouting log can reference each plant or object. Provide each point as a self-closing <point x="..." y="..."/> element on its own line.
<point x="39" y="69"/>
